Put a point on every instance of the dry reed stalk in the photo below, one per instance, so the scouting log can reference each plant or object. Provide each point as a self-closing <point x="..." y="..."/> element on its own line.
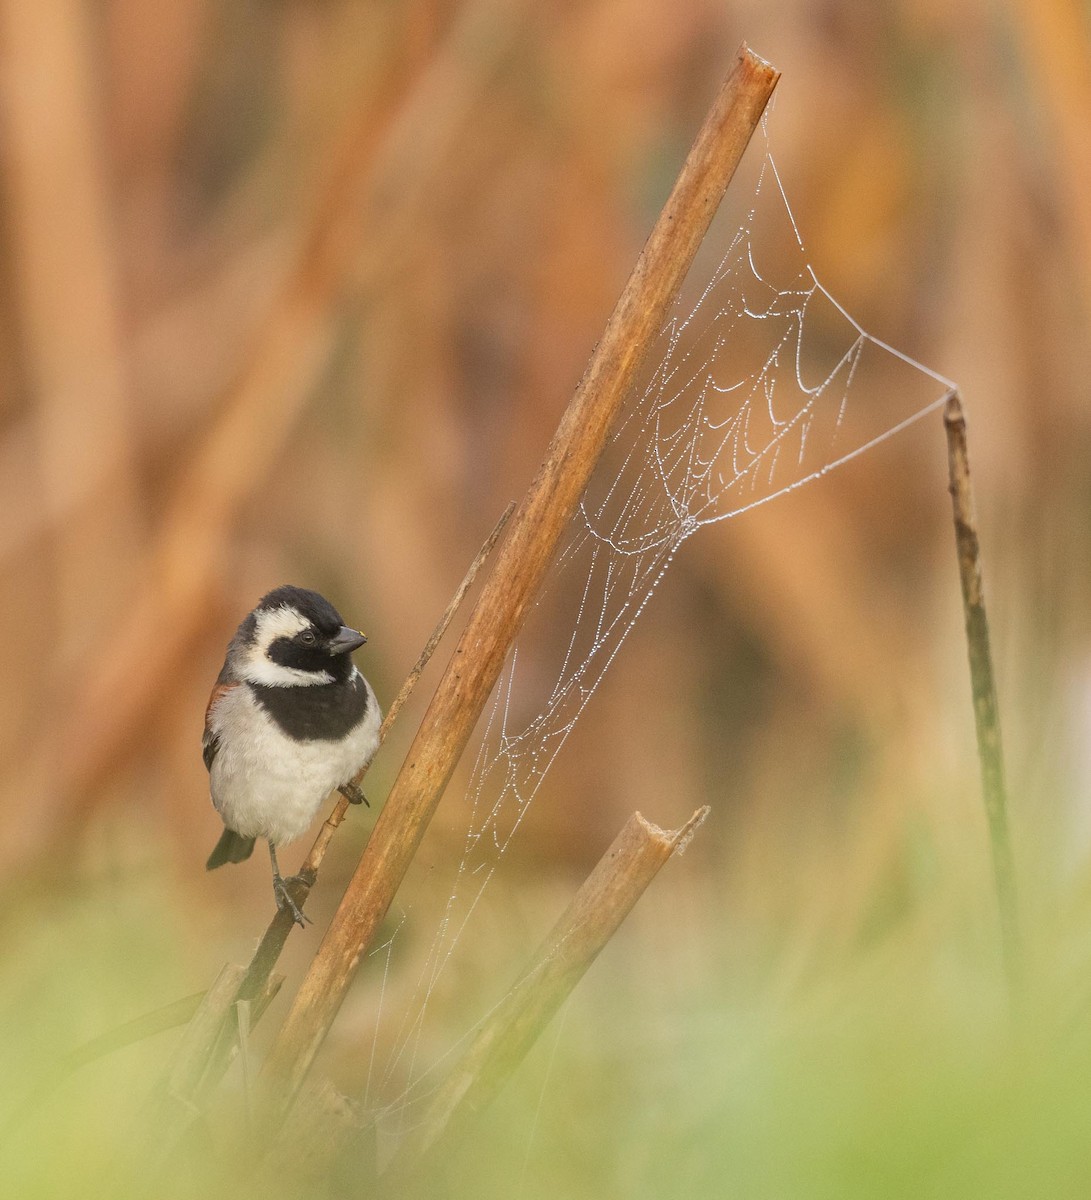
<point x="63" y="259"/>
<point x="983" y="683"/>
<point x="187" y="1063"/>
<point x="532" y="541"/>
<point x="597" y="910"/>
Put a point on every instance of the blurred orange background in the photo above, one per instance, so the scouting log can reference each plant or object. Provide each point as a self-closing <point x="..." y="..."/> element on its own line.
<point x="297" y="290"/>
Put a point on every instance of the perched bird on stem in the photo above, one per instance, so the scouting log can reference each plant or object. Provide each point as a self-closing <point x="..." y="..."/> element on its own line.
<point x="289" y="720"/>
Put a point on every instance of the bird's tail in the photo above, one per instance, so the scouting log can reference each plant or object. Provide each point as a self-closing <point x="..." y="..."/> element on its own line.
<point x="232" y="847"/>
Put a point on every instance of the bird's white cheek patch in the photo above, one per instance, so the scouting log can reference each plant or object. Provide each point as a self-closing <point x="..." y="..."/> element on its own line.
<point x="257" y="668"/>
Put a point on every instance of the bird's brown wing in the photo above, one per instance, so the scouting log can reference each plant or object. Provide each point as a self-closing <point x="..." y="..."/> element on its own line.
<point x="210" y="742"/>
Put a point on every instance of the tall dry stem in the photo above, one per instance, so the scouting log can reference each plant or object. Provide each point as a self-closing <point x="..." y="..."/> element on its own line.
<point x="533" y="538"/>
<point x="983" y="683"/>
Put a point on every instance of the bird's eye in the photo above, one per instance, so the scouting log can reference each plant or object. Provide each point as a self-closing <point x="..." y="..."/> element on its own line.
<point x="307" y="637"/>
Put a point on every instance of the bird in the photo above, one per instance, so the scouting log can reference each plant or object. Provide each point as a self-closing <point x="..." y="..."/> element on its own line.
<point x="290" y="720"/>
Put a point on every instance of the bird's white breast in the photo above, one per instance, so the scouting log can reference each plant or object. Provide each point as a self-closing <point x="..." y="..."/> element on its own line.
<point x="264" y="783"/>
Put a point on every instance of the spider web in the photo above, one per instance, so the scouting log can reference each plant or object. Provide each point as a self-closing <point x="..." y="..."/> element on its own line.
<point x="748" y="394"/>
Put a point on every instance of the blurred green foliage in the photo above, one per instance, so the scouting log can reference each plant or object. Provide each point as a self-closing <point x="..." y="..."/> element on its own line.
<point x="892" y="1068"/>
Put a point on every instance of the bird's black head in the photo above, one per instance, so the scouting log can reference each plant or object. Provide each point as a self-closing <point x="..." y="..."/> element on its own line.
<point x="296" y="638"/>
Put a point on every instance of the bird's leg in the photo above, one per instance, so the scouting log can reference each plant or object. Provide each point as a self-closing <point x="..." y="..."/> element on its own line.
<point x="280" y="891"/>
<point x="353" y="794"/>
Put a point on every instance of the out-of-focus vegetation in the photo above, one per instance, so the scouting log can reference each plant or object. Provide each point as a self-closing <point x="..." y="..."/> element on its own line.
<point x="297" y="291"/>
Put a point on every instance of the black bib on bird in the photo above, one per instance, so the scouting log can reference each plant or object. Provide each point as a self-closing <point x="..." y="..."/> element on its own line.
<point x="323" y="712"/>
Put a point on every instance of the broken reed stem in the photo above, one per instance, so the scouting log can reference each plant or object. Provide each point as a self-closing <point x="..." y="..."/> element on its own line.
<point x="276" y="935"/>
<point x="983" y="683"/>
<point x="529" y="550"/>
<point x="591" y="919"/>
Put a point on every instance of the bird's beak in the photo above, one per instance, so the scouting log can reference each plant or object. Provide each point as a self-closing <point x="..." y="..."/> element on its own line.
<point x="345" y="641"/>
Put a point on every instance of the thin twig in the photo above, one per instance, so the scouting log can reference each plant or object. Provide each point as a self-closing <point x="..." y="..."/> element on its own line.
<point x="983" y="683"/>
<point x="272" y="943"/>
<point x="536" y="530"/>
<point x="594" y="915"/>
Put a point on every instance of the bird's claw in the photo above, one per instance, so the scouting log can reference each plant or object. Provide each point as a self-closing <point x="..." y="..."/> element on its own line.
<point x="353" y="794"/>
<point x="284" y="898"/>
